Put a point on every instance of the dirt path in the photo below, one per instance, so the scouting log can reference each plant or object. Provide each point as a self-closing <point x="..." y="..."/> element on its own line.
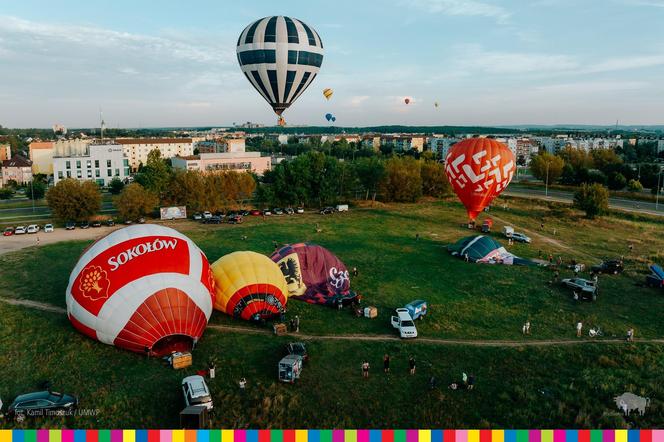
<point x="34" y="305"/>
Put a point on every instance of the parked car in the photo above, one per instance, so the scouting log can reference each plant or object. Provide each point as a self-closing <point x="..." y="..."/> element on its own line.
<point x="84" y="225"/>
<point x="297" y="348"/>
<point x="235" y="219"/>
<point x="128" y="222"/>
<point x="520" y="237"/>
<point x="326" y="210"/>
<point x="110" y="223"/>
<point x="487" y="225"/>
<point x="244" y="212"/>
<point x="33" y="228"/>
<point x="267" y="212"/>
<point x="141" y="220"/>
<point x="299" y="210"/>
<point x="40" y="403"/>
<point x="207" y="215"/>
<point x="9" y="231"/>
<point x="197" y="217"/>
<point x="278" y="211"/>
<point x="196" y="392"/>
<point x="20" y="230"/>
<point x="48" y="228"/>
<point x="289" y="211"/>
<point x="614" y="266"/>
<point x="255" y="212"/>
<point x="214" y="219"/>
<point x="582" y="288"/>
<point x="70" y="225"/>
<point x="96" y="223"/>
<point x="404" y="323"/>
<point x="508" y="231"/>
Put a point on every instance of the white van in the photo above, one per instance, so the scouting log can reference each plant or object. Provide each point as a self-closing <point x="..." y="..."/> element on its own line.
<point x="342" y="208"/>
<point x="196" y="392"/>
<point x="508" y="231"/>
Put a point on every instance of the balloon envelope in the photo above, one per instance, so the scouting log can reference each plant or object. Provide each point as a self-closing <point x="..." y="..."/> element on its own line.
<point x="334" y="119"/>
<point x="327" y="93"/>
<point x="249" y="286"/>
<point x="313" y="273"/>
<point x="142" y="288"/>
<point x="479" y="169"/>
<point x="328" y="117"/>
<point x="280" y="56"/>
<point x="407" y="100"/>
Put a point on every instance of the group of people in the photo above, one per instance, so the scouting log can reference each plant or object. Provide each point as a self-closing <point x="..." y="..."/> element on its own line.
<point x="386" y="365"/>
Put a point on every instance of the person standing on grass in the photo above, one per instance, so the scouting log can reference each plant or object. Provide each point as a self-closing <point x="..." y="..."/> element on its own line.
<point x="354" y="271"/>
<point x="630" y="335"/>
<point x="365" y="369"/>
<point x="386" y="363"/>
<point x="411" y="364"/>
<point x="465" y="256"/>
<point x="297" y="323"/>
<point x="579" y="329"/>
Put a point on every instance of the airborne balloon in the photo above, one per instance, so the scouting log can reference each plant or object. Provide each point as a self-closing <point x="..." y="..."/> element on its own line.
<point x="249" y="286"/>
<point x="144" y="288"/>
<point x="407" y="100"/>
<point x="328" y="117"/>
<point x="479" y="169"/>
<point x="327" y="93"/>
<point x="280" y="56"/>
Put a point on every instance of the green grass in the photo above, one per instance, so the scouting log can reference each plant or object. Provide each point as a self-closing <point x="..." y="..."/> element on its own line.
<point x="566" y="386"/>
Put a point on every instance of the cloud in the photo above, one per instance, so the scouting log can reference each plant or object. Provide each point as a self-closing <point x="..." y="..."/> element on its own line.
<point x="591" y="87"/>
<point x="653" y="3"/>
<point x="357" y="100"/>
<point x="471" y="8"/>
<point x="624" y="63"/>
<point x="474" y="57"/>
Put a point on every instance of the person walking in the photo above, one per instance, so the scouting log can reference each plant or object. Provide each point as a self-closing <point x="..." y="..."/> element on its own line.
<point x="386" y="363"/>
<point x="471" y="381"/>
<point x="365" y="369"/>
<point x="411" y="364"/>
<point x="355" y="271"/>
<point x="243" y="384"/>
<point x="526" y="328"/>
<point x="465" y="256"/>
<point x="630" y="335"/>
<point x="579" y="329"/>
<point x="297" y="324"/>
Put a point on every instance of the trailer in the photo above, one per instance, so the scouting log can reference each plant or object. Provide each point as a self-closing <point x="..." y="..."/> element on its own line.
<point x="417" y="309"/>
<point x="290" y="367"/>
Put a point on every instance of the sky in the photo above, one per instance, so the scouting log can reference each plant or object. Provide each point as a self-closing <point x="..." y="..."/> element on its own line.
<point x="486" y="62"/>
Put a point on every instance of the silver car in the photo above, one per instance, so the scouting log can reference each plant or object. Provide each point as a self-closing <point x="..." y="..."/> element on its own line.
<point x="520" y="237"/>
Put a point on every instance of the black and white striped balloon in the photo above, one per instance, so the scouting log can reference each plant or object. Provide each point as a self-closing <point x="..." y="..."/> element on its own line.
<point x="280" y="56"/>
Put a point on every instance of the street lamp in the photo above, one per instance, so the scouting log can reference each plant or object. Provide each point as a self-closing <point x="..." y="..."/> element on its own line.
<point x="659" y="176"/>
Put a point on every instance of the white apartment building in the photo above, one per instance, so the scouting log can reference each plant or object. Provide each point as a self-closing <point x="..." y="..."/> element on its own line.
<point x="101" y="163"/>
<point x="137" y="149"/>
<point x="442" y="145"/>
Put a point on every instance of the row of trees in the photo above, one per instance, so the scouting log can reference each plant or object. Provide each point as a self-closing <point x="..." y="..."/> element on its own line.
<point x="573" y="166"/>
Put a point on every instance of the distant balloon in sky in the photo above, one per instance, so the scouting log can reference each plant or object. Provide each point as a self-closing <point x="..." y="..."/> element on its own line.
<point x="436" y="104"/>
<point x="479" y="169"/>
<point x="280" y="56"/>
<point x="407" y="100"/>
<point x="327" y="92"/>
<point x="334" y="119"/>
<point x="328" y="117"/>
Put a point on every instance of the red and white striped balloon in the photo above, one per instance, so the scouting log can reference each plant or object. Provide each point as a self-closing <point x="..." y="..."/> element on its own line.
<point x="142" y="288"/>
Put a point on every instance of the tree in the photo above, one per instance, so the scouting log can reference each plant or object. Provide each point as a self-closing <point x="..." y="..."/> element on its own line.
<point x="73" y="200"/>
<point x="593" y="199"/>
<point x="35" y="190"/>
<point x="605" y="159"/>
<point x="115" y="186"/>
<point x="434" y="179"/>
<point x="578" y="158"/>
<point x="135" y="201"/>
<point x="634" y="186"/>
<point x="156" y="174"/>
<point x="617" y="181"/>
<point x="402" y="181"/>
<point x="187" y="188"/>
<point x="370" y="172"/>
<point x="545" y="165"/>
<point x="6" y="193"/>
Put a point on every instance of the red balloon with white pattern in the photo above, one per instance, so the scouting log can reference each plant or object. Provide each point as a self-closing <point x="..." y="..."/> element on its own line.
<point x="144" y="288"/>
<point x="479" y="169"/>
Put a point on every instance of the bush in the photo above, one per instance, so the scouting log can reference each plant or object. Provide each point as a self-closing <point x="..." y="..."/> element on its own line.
<point x="434" y="179"/>
<point x="593" y="199"/>
<point x="73" y="200"/>
<point x="6" y="193"/>
<point x="617" y="181"/>
<point x="115" y="186"/>
<point x="634" y="186"/>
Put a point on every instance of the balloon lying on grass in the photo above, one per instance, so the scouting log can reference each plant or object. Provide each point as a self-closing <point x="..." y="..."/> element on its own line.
<point x="479" y="169"/>
<point x="249" y="286"/>
<point x="144" y="288"/>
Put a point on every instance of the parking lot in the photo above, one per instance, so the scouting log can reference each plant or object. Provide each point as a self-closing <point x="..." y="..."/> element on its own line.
<point x="17" y="242"/>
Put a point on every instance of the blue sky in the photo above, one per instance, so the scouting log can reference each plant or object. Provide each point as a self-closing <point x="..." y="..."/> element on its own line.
<point x="487" y="62"/>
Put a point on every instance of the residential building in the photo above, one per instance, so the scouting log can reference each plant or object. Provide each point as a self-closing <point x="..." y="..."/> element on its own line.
<point x="137" y="149"/>
<point x="404" y="142"/>
<point x="5" y="152"/>
<point x="211" y="162"/>
<point x="442" y="145"/>
<point x="17" y="169"/>
<point x="371" y="142"/>
<point x="660" y="146"/>
<point x="41" y="155"/>
<point x="101" y="163"/>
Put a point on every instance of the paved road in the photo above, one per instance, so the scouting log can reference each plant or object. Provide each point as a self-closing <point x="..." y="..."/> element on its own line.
<point x="25" y="214"/>
<point x="567" y="197"/>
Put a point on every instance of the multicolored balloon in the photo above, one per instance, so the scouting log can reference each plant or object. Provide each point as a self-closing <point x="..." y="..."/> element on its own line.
<point x="249" y="286"/>
<point x="327" y="93"/>
<point x="144" y="288"/>
<point x="479" y="169"/>
<point x="280" y="56"/>
<point x="313" y="273"/>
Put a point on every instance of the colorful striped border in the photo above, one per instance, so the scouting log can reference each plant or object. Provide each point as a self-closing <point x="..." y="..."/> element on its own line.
<point x="331" y="435"/>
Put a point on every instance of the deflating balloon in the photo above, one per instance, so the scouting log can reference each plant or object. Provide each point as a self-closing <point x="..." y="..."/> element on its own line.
<point x="327" y="92"/>
<point x="280" y="56"/>
<point x="249" y="286"/>
<point x="328" y="117"/>
<point x="479" y="169"/>
<point x="313" y="273"/>
<point x="144" y="288"/>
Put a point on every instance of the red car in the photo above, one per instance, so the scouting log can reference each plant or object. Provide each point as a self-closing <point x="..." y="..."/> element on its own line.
<point x="255" y="212"/>
<point x="9" y="231"/>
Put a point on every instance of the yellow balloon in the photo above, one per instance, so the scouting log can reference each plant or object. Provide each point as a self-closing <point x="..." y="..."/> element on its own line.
<point x="249" y="286"/>
<point x="327" y="92"/>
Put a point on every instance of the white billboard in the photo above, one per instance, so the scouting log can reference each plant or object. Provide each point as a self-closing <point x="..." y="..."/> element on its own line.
<point x="173" y="212"/>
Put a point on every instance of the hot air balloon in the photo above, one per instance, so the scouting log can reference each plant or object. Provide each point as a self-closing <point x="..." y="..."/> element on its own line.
<point x="328" y="117"/>
<point x="313" y="274"/>
<point x="479" y="169"/>
<point x="280" y="56"/>
<point x="327" y="93"/>
<point x="436" y="104"/>
<point x="407" y="100"/>
<point x="334" y="119"/>
<point x="144" y="288"/>
<point x="249" y="286"/>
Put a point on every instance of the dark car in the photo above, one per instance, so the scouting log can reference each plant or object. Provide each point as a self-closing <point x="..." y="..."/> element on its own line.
<point x="235" y="219"/>
<point x="84" y="225"/>
<point x="289" y="211"/>
<point x="70" y="225"/>
<point x="110" y="223"/>
<point x="297" y="348"/>
<point x="214" y="219"/>
<point x="278" y="211"/>
<point x="244" y="212"/>
<point x="326" y="210"/>
<point x="96" y="224"/>
<point x="41" y="404"/>
<point x="614" y="266"/>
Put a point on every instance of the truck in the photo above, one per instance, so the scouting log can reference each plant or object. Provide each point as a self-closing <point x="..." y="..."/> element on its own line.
<point x="486" y="225"/>
<point x="404" y="323"/>
<point x="290" y="367"/>
<point x="342" y="208"/>
<point x="417" y="309"/>
<point x="508" y="231"/>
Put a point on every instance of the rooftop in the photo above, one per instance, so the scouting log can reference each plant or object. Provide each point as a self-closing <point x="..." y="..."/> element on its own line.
<point x="17" y="161"/>
<point x="152" y="140"/>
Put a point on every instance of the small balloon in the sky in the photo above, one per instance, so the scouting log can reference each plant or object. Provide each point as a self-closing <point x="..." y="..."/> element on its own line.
<point x="328" y="117"/>
<point x="407" y="100"/>
<point x="436" y="104"/>
<point x="327" y="92"/>
<point x="334" y="119"/>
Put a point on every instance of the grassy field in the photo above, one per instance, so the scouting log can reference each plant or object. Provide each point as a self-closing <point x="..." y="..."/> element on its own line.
<point x="567" y="386"/>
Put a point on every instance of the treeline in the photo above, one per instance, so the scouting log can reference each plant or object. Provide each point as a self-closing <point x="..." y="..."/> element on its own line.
<point x="447" y="130"/>
<point x="316" y="179"/>
<point x="572" y="166"/>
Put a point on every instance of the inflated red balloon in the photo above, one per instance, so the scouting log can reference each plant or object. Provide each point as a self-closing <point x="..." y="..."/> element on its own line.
<point x="479" y="169"/>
